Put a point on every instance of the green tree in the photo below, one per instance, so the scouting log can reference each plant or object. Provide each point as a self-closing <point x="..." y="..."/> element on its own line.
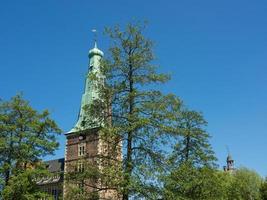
<point x="188" y="182"/>
<point x="22" y="186"/>
<point x="191" y="171"/>
<point x="192" y="141"/>
<point x="245" y="185"/>
<point x="26" y="135"/>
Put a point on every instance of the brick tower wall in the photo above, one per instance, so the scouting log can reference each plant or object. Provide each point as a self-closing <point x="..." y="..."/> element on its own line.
<point x="93" y="148"/>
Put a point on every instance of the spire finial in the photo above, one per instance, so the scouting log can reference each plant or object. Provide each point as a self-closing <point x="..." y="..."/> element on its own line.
<point x="227" y="148"/>
<point x="95" y="37"/>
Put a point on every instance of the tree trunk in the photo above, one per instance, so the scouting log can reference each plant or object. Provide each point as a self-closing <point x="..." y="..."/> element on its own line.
<point x="7" y="176"/>
<point x="187" y="147"/>
<point x="128" y="165"/>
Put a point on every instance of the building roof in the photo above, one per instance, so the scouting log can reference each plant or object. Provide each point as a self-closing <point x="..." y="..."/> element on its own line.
<point x="95" y="51"/>
<point x="91" y="92"/>
<point x="229" y="158"/>
<point x="55" y="165"/>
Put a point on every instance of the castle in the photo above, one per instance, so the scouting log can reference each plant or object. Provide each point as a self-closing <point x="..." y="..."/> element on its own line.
<point x="83" y="145"/>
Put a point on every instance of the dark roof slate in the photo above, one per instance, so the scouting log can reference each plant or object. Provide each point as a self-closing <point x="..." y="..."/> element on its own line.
<point x="55" y="165"/>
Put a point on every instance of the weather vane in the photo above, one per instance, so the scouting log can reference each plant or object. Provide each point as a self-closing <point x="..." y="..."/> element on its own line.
<point x="95" y="35"/>
<point x="227" y="148"/>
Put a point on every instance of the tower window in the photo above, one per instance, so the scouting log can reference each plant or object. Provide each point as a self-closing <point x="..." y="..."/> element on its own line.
<point x="80" y="167"/>
<point x="81" y="149"/>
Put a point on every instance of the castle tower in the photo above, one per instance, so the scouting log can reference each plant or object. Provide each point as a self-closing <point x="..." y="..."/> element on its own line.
<point x="83" y="144"/>
<point x="229" y="164"/>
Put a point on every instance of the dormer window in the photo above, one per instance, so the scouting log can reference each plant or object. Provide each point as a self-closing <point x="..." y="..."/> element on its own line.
<point x="81" y="149"/>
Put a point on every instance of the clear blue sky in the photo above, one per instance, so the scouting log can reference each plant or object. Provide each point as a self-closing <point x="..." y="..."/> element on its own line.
<point x="215" y="50"/>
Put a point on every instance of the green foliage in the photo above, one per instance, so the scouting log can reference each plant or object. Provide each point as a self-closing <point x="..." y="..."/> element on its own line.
<point x="188" y="182"/>
<point x="190" y="172"/>
<point x="139" y="112"/>
<point x="263" y="190"/>
<point x="192" y="141"/>
<point x="245" y="185"/>
<point x="22" y="186"/>
<point x="26" y="135"/>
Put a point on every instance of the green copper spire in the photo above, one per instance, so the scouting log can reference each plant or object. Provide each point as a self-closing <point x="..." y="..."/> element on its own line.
<point x="90" y="92"/>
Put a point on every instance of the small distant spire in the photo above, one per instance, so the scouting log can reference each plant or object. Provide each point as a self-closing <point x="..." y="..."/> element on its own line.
<point x="229" y="156"/>
<point x="229" y="162"/>
<point x="95" y="37"/>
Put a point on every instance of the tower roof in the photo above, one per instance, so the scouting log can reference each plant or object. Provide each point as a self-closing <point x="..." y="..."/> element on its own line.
<point x="229" y="158"/>
<point x="91" y="91"/>
<point x="95" y="51"/>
